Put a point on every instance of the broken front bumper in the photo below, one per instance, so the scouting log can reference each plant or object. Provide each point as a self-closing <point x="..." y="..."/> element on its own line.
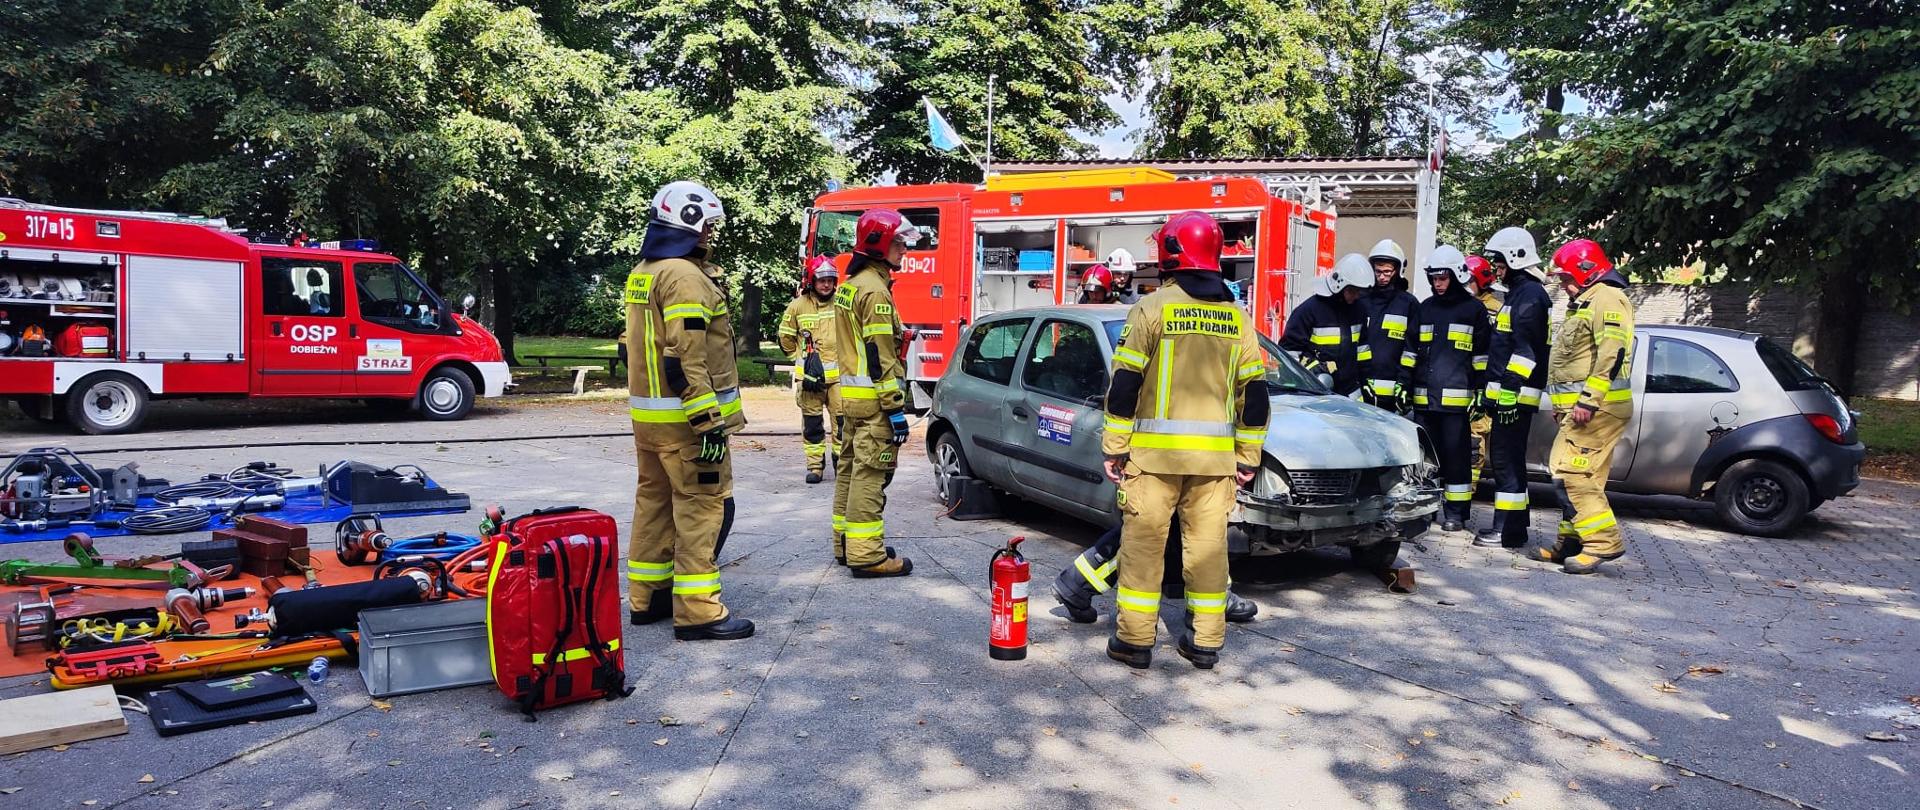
<point x="1262" y="526"/>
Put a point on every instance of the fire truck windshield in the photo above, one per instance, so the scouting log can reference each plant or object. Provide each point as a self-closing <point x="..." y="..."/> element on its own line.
<point x="389" y="293"/>
<point x="833" y="232"/>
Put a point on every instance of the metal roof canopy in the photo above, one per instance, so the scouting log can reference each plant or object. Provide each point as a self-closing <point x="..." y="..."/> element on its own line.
<point x="1359" y="186"/>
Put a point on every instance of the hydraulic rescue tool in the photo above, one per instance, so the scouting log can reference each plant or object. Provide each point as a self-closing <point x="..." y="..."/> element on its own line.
<point x="1009" y="572"/>
<point x="89" y="566"/>
<point x="360" y="538"/>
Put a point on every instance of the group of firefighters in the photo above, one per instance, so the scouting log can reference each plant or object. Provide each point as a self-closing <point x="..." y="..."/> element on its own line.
<point x="1179" y="438"/>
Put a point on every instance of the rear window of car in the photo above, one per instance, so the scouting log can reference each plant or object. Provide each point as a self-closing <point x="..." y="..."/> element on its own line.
<point x="1788" y="370"/>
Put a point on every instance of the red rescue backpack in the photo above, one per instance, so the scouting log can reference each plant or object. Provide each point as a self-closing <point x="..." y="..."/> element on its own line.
<point x="553" y="608"/>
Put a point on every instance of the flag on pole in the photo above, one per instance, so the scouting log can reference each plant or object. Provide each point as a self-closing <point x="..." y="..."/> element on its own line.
<point x="1437" y="157"/>
<point x="939" y="132"/>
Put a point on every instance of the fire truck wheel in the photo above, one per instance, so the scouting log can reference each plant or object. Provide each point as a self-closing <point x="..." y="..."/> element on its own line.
<point x="106" y="403"/>
<point x="446" y="395"/>
<point x="39" y="410"/>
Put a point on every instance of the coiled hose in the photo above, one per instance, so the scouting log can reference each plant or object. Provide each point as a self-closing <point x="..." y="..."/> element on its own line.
<point x="441" y="546"/>
<point x="167" y="520"/>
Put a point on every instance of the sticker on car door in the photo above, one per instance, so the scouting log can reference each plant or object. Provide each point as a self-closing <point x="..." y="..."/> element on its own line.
<point x="1055" y="424"/>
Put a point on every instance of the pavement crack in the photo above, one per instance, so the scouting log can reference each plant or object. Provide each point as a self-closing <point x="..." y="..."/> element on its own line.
<point x="765" y="678"/>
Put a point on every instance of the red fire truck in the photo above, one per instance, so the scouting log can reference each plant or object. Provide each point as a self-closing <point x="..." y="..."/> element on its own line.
<point x="1025" y="240"/>
<point x="102" y="311"/>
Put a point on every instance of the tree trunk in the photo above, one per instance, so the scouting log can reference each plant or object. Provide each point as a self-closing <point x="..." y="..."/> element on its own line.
<point x="1836" y="349"/>
<point x="503" y="306"/>
<point x="1556" y="102"/>
<point x="746" y="329"/>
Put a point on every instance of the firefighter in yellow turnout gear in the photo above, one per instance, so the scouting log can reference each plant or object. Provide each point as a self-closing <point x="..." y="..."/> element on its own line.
<point x="872" y="379"/>
<point x="684" y="399"/>
<point x="806" y="335"/>
<point x="1186" y="416"/>
<point x="1590" y="381"/>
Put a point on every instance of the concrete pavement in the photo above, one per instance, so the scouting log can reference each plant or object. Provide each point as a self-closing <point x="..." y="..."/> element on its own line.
<point x="1707" y="670"/>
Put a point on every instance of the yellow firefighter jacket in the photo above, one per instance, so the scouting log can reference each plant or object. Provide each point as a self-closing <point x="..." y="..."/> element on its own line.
<point x="1196" y="358"/>
<point x="1592" y="362"/>
<point x="867" y="330"/>
<point x="682" y="377"/>
<point x="808" y="315"/>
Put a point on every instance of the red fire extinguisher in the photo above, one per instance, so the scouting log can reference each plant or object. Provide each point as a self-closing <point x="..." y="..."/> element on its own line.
<point x="1008" y="639"/>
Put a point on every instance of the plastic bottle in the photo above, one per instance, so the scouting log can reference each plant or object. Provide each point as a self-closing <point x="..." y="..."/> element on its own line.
<point x="317" y="671"/>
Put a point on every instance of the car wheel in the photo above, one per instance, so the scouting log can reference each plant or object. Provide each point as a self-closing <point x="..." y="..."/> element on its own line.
<point x="35" y="407"/>
<point x="949" y="463"/>
<point x="1761" y="497"/>
<point x="1375" y="556"/>
<point x="107" y="403"/>
<point x="445" y="396"/>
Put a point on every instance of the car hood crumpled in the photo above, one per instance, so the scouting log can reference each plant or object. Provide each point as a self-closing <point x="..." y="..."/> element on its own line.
<point x="1336" y="433"/>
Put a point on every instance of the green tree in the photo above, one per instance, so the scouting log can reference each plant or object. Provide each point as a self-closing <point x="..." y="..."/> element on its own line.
<point x="1050" y="85"/>
<point x="1777" y="140"/>
<point x="1232" y="78"/>
<point x="1389" y="67"/>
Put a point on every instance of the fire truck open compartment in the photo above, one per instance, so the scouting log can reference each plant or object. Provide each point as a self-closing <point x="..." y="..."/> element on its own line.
<point x="53" y="292"/>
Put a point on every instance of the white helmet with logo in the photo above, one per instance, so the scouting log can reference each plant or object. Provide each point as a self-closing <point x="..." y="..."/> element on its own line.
<point x="1448" y="259"/>
<point x="1389" y="250"/>
<point x="1516" y="247"/>
<point x="688" y="206"/>
<point x="1353" y="270"/>
<point x="1120" y="262"/>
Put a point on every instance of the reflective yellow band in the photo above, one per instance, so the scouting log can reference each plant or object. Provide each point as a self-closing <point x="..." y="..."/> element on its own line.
<point x="874" y="528"/>
<point x="649" y="572"/>
<point x="1522" y="366"/>
<point x="699" y="403"/>
<point x="1510" y="501"/>
<point x="1459" y="492"/>
<point x="1593" y="525"/>
<point x="839" y="524"/>
<point x="678" y="311"/>
<point x="1138" y="601"/>
<point x="1456" y="402"/>
<point x="1250" y="436"/>
<point x="576" y="653"/>
<point x="876" y="330"/>
<point x="1207" y="602"/>
<point x="1503" y="322"/>
<point x="1620" y="395"/>
<point x="1616" y="333"/>
<point x="888" y="386"/>
<point x="1383" y="388"/>
<point x="1097" y="577"/>
<point x="696" y="583"/>
<point x="1407" y="359"/>
<point x="1169" y="441"/>
<point x="1129" y="358"/>
<point x="1249" y="371"/>
<point x="788" y="330"/>
<point x="1420" y="399"/>
<point x="1365" y="353"/>
<point x="1479" y="362"/>
<point x="1115" y="424"/>
<point x="1529" y="396"/>
<point x="1564" y="399"/>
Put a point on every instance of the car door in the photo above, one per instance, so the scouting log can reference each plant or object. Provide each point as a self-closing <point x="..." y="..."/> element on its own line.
<point x="300" y="344"/>
<point x="1541" y="435"/>
<point x="1689" y="392"/>
<point x="395" y="318"/>
<point x="1057" y="416"/>
<point x="976" y="397"/>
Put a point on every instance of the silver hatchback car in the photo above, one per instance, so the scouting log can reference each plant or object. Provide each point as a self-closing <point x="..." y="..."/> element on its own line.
<point x="1732" y="417"/>
<point x="1020" y="411"/>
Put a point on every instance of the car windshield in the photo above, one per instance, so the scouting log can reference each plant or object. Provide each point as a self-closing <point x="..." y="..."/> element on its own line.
<point x="1788" y="370"/>
<point x="1285" y="375"/>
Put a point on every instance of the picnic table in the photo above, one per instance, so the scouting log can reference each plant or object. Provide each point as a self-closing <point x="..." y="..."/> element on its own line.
<point x="579" y="371"/>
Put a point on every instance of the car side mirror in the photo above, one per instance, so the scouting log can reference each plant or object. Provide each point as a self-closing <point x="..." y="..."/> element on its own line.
<point x="1325" y="379"/>
<point x="466" y="304"/>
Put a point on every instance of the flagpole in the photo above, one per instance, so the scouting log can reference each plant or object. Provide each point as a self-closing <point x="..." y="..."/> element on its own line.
<point x="986" y="171"/>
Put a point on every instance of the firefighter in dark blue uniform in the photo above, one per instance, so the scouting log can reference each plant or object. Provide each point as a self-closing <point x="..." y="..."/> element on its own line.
<point x="1324" y="332"/>
<point x="1448" y="352"/>
<point x="1388" y="308"/>
<point x="1516" y="380"/>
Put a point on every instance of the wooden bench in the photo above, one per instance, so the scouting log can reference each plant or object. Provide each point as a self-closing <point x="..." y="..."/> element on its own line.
<point x="579" y="373"/>
<point x="612" y="362"/>
<point x="774" y="365"/>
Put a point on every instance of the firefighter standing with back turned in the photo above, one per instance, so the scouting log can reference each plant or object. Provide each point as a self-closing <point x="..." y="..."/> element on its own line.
<point x="806" y="335"/>
<point x="1516" y="379"/>
<point x="1590" y="382"/>
<point x="684" y="399"/>
<point x="1324" y="331"/>
<point x="867" y="332"/>
<point x="1387" y="306"/>
<point x="1451" y="332"/>
<point x="1186" y="418"/>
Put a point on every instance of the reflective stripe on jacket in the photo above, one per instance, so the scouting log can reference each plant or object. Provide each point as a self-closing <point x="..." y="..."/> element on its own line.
<point x="810" y="315"/>
<point x="1516" y="357"/>
<point x="1593" y="351"/>
<point x="677" y="316"/>
<point x="1196" y="358"/>
<point x="1449" y="348"/>
<point x="1388" y="315"/>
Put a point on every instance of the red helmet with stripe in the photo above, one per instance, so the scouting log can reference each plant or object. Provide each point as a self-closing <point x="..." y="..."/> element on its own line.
<point x="1097" y="276"/>
<point x="1190" y="241"/>
<point x="1482" y="271"/>
<point x="818" y="267"/>
<point x="878" y="229"/>
<point x="1581" y="260"/>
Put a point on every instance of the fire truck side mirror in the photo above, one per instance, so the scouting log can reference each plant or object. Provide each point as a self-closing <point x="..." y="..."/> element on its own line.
<point x="466" y="304"/>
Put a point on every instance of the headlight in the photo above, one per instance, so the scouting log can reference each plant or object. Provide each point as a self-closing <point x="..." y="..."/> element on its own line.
<point x="1272" y="482"/>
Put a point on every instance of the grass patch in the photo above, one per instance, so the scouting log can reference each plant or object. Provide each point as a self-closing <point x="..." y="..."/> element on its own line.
<point x="1889" y="425"/>
<point x="525" y="346"/>
<point x="528" y="345"/>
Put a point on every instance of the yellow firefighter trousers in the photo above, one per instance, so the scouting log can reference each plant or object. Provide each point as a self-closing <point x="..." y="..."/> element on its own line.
<point x="1482" y="460"/>
<point x="678" y="506"/>
<point x="1149" y="503"/>
<point x="819" y="411"/>
<point x="862" y="468"/>
<point x="1581" y="457"/>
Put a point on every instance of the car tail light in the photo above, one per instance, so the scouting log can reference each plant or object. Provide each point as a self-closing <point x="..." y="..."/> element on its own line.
<point x="1828" y="427"/>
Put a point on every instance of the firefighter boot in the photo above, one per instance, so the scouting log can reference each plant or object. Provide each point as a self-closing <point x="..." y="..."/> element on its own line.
<point x="1240" y="609"/>
<point x="1586" y="563"/>
<point x="1201" y="657"/>
<point x="659" y="606"/>
<point x="1132" y="655"/>
<point x="1563" y="549"/>
<point x="891" y="565"/>
<point x="1076" y="586"/>
<point x="727" y="629"/>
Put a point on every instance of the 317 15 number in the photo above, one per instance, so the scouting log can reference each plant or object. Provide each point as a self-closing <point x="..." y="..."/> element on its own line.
<point x="43" y="227"/>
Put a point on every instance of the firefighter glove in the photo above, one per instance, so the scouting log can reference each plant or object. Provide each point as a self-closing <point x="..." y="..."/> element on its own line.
<point x="1505" y="414"/>
<point x="898" y="421"/>
<point x="713" y="446"/>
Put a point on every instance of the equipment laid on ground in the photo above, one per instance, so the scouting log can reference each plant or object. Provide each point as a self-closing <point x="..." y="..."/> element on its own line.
<point x="404" y="488"/>
<point x="199" y="706"/>
<point x="425" y="647"/>
<point x="89" y="566"/>
<point x="1010" y="574"/>
<point x="222" y="693"/>
<point x="31" y="625"/>
<point x="359" y="538"/>
<point x="142" y="663"/>
<point x="267" y="546"/>
<point x="329" y="608"/>
<point x="38" y="721"/>
<point x="553" y="608"/>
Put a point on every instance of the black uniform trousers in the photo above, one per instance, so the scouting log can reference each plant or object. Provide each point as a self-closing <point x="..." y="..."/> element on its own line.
<point x="1507" y="444"/>
<point x="1453" y="444"/>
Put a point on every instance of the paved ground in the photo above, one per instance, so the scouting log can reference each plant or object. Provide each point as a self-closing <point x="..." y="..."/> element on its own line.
<point x="1707" y="670"/>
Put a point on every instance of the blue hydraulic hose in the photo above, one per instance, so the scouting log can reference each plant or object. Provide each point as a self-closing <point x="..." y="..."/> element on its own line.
<point x="439" y="546"/>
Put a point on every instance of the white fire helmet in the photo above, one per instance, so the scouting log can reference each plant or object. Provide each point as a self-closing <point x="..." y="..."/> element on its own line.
<point x="1516" y="247"/>
<point x="1390" y="250"/>
<point x="1353" y="270"/>
<point x="1120" y="263"/>
<point x="688" y="206"/>
<point x="1449" y="259"/>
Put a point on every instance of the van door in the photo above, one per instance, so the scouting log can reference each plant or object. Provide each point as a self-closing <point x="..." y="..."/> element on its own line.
<point x="299" y="348"/>
<point x="396" y="324"/>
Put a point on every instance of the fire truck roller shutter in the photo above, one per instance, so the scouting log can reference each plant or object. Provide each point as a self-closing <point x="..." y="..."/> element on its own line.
<point x="184" y="309"/>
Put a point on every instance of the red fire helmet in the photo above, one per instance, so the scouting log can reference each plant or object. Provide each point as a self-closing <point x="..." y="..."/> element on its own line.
<point x="1581" y="260"/>
<point x="1190" y="241"/>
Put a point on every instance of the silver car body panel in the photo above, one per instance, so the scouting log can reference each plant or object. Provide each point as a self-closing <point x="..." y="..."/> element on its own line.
<point x="1336" y="433"/>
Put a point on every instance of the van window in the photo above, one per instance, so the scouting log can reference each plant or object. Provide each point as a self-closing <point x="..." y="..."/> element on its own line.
<point x="1678" y="367"/>
<point x="991" y="349"/>
<point x="303" y="287"/>
<point x="388" y="293"/>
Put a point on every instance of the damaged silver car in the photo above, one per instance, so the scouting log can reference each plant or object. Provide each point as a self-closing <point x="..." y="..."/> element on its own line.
<point x="1020" y="413"/>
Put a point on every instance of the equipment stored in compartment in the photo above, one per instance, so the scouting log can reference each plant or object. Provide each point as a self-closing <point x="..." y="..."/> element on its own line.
<point x="84" y="340"/>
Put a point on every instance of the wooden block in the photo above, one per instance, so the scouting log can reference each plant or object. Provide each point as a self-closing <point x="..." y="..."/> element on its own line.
<point x="268" y="527"/>
<point x="56" y="718"/>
